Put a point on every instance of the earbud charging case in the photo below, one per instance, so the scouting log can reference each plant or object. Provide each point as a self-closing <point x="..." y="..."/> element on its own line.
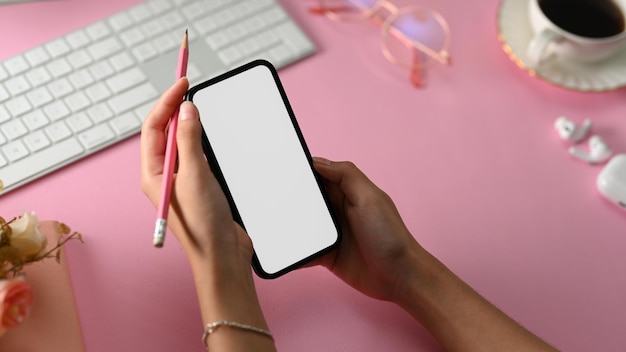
<point x="611" y="181"/>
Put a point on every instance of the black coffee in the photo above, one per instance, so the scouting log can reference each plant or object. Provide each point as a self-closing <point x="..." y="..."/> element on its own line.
<point x="587" y="18"/>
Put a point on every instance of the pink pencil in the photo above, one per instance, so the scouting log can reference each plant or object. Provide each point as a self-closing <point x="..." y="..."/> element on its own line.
<point x="170" y="156"/>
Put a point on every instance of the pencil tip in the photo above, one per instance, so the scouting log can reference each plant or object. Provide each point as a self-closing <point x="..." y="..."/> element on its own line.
<point x="185" y="31"/>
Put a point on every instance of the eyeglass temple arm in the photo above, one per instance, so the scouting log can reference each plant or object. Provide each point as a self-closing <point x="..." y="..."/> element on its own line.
<point x="416" y="72"/>
<point x="319" y="10"/>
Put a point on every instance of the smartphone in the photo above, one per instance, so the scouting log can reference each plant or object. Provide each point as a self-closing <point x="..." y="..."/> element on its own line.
<point x="258" y="154"/>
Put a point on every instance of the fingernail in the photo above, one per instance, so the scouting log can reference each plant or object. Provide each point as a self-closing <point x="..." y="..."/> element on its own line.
<point x="322" y="161"/>
<point x="187" y="111"/>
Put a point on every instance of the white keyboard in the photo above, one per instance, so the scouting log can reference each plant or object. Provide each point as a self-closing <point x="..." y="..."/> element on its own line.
<point x="72" y="96"/>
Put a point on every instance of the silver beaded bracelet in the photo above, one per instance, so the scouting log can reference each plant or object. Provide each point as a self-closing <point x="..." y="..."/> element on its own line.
<point x="210" y="328"/>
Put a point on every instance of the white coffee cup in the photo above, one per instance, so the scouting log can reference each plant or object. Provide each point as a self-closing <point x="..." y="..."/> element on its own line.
<point x="551" y="38"/>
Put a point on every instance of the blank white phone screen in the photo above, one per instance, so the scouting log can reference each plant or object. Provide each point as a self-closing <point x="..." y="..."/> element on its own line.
<point x="265" y="168"/>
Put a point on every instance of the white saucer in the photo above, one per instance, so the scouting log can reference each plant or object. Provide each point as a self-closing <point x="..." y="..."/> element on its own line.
<point x="515" y="35"/>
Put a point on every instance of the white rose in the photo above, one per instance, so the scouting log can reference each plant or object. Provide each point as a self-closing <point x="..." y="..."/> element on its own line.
<point x="26" y="238"/>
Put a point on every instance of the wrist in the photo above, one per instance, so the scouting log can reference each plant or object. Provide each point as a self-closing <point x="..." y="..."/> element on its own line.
<point x="226" y="290"/>
<point x="420" y="280"/>
<point x="228" y="298"/>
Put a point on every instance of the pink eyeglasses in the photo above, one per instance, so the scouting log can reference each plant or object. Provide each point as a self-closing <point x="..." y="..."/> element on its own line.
<point x="413" y="37"/>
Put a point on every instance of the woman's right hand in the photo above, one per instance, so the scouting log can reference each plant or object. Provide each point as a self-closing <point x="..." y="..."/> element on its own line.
<point x="377" y="253"/>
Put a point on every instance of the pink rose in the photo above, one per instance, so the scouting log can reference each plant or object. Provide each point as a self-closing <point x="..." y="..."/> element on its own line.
<point x="16" y="302"/>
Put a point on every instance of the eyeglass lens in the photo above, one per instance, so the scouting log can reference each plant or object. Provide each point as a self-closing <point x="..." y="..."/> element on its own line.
<point x="414" y="37"/>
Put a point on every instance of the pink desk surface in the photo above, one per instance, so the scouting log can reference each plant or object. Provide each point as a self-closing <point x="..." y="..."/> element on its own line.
<point x="471" y="160"/>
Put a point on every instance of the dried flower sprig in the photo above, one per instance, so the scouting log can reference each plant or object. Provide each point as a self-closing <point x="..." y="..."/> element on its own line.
<point x="18" y="249"/>
<point x="22" y="243"/>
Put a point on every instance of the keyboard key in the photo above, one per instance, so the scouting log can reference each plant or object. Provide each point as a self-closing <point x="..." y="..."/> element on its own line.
<point x="165" y="43"/>
<point x="120" y="21"/>
<point x="153" y="27"/>
<point x="125" y="80"/>
<point x="14" y="129"/>
<point x="17" y="85"/>
<point x="97" y="30"/>
<point x="259" y="4"/>
<point x="140" y="12"/>
<point x="193" y="10"/>
<point x="235" y="32"/>
<point x="58" y="131"/>
<point x="60" y="88"/>
<point x="205" y="25"/>
<point x="217" y="40"/>
<point x="81" y="79"/>
<point x="4" y="114"/>
<point x="98" y="92"/>
<point x="253" y="24"/>
<point x="230" y="55"/>
<point x="35" y="120"/>
<point x="96" y="136"/>
<point x="77" y="101"/>
<point x="274" y="15"/>
<point x="14" y="151"/>
<point x="280" y="54"/>
<point x="79" y="122"/>
<point x="39" y="97"/>
<point x="36" y="141"/>
<point x="125" y="123"/>
<point x="224" y="17"/>
<point x="37" y="56"/>
<point x="248" y="47"/>
<point x="158" y="6"/>
<point x="79" y="59"/>
<point x="4" y="95"/>
<point x="38" y="76"/>
<point x="267" y="38"/>
<point x="121" y="61"/>
<point x="294" y="37"/>
<point x="18" y="106"/>
<point x="242" y="9"/>
<point x="59" y="67"/>
<point x="132" y="98"/>
<point x="101" y="70"/>
<point x="99" y="113"/>
<point x="172" y="20"/>
<point x="77" y="39"/>
<point x="144" y="52"/>
<point x="16" y="65"/>
<point x="3" y="73"/>
<point x="56" y="110"/>
<point x="132" y="36"/>
<point x="57" y="47"/>
<point x="104" y="48"/>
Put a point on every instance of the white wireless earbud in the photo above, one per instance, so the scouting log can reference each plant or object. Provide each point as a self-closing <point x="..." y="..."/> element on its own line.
<point x="599" y="151"/>
<point x="568" y="130"/>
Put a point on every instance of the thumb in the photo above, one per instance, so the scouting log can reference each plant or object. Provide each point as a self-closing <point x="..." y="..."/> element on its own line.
<point x="348" y="177"/>
<point x="189" y="137"/>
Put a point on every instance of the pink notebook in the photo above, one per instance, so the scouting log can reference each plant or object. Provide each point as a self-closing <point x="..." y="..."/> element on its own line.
<point x="53" y="325"/>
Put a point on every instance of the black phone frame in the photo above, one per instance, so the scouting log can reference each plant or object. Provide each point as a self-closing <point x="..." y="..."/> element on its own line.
<point x="213" y="163"/>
